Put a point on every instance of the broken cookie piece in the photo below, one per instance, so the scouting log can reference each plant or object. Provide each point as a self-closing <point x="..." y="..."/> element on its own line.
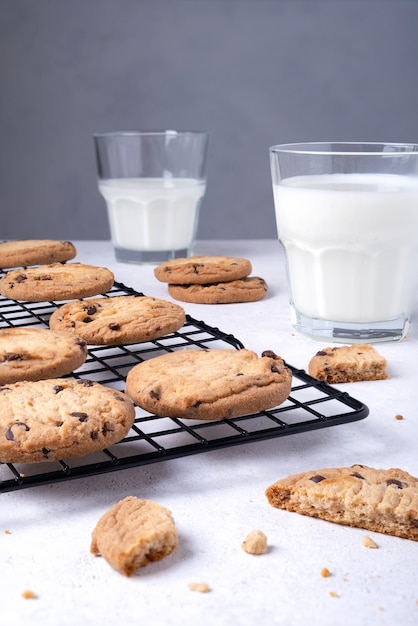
<point x="134" y="533"/>
<point x="345" y="364"/>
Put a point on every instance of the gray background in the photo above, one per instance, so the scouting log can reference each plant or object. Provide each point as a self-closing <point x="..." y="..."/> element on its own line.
<point x="253" y="73"/>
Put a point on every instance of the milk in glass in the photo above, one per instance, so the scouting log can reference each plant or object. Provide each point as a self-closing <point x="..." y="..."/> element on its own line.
<point x="351" y="244"/>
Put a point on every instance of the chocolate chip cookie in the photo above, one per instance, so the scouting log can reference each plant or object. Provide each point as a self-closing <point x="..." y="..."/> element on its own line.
<point x="21" y="253"/>
<point x="209" y="384"/>
<point x="249" y="289"/>
<point x="118" y="320"/>
<point x="344" y="364"/>
<point x="384" y="501"/>
<point x="134" y="533"/>
<point x="56" y="282"/>
<point x="35" y="353"/>
<point x="60" y="418"/>
<point x="201" y="270"/>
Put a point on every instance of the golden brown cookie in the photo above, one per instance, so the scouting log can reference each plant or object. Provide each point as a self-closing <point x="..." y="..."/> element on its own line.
<point x="25" y="252"/>
<point x="118" y="320"/>
<point x="60" y="418"/>
<point x="384" y="501"/>
<point x="134" y="533"/>
<point x="36" y="353"/>
<point x="249" y="289"/>
<point x="200" y="270"/>
<point x="346" y="364"/>
<point x="56" y="282"/>
<point x="209" y="384"/>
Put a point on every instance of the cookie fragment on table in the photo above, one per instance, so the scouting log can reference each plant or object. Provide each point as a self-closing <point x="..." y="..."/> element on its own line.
<point x="134" y="533"/>
<point x="344" y="364"/>
<point x="379" y="500"/>
<point x="209" y="384"/>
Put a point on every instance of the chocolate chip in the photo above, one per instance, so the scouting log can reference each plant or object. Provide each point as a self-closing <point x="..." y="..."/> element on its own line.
<point x="317" y="478"/>
<point x="83" y="417"/>
<point x="80" y="342"/>
<point x="86" y="320"/>
<point x="321" y="353"/>
<point x="114" y="326"/>
<point x="72" y="324"/>
<point x="58" y="388"/>
<point x="21" y="278"/>
<point x="4" y="389"/>
<point x="275" y="369"/>
<point x="395" y="483"/>
<point x="239" y="374"/>
<point x="154" y="394"/>
<point x="85" y="382"/>
<point x="12" y="356"/>
<point x="269" y="353"/>
<point x="94" y="434"/>
<point x="357" y="475"/>
<point x="107" y="428"/>
<point x="9" y="432"/>
<point x="45" y="452"/>
<point x="91" y="310"/>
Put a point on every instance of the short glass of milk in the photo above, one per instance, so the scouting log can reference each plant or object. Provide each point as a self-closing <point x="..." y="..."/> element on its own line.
<point x="153" y="183"/>
<point x="347" y="219"/>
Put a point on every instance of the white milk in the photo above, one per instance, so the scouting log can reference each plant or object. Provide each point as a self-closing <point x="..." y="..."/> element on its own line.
<point x="351" y="242"/>
<point x="152" y="213"/>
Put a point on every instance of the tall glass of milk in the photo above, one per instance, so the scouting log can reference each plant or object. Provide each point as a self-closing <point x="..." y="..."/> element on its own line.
<point x="347" y="219"/>
<point x="153" y="184"/>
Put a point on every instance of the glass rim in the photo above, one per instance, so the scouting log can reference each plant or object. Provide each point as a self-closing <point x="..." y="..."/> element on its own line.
<point x="149" y="133"/>
<point x="370" y="148"/>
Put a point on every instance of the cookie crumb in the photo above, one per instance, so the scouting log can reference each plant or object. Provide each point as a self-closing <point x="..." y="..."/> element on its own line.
<point x="398" y="417"/>
<point x="334" y="594"/>
<point x="325" y="573"/>
<point x="200" y="587"/>
<point x="7" y="532"/>
<point x="29" y="595"/>
<point x="255" y="543"/>
<point x="369" y="543"/>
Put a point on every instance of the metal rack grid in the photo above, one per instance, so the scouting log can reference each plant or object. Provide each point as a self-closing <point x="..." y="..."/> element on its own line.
<point x="311" y="405"/>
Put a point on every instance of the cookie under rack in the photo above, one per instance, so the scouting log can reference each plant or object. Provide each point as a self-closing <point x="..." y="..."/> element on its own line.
<point x="312" y="404"/>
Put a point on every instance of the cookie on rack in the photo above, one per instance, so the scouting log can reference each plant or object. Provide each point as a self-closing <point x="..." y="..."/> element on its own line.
<point x="119" y="319"/>
<point x="380" y="500"/>
<point x="134" y="533"/>
<point x="201" y="270"/>
<point x="344" y="364"/>
<point x="248" y="289"/>
<point x="209" y="384"/>
<point x="24" y="252"/>
<point x="60" y="418"/>
<point x="37" y="353"/>
<point x="56" y="282"/>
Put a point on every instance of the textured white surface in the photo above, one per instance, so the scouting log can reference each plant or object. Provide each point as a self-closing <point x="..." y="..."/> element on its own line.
<point x="217" y="498"/>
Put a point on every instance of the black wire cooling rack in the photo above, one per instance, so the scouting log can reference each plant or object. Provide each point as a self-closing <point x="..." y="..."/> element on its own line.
<point x="311" y="405"/>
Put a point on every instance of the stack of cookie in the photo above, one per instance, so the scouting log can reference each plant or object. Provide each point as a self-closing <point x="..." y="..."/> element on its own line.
<point x="211" y="280"/>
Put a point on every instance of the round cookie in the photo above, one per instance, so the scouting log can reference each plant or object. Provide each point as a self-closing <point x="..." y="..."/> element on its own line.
<point x="36" y="353"/>
<point x="56" y="282"/>
<point x="249" y="289"/>
<point x="200" y="270"/>
<point x="60" y="418"/>
<point x="209" y="384"/>
<point x="118" y="320"/>
<point x="25" y="252"/>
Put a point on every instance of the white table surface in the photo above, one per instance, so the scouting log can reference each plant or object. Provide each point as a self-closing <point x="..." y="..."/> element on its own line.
<point x="217" y="498"/>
